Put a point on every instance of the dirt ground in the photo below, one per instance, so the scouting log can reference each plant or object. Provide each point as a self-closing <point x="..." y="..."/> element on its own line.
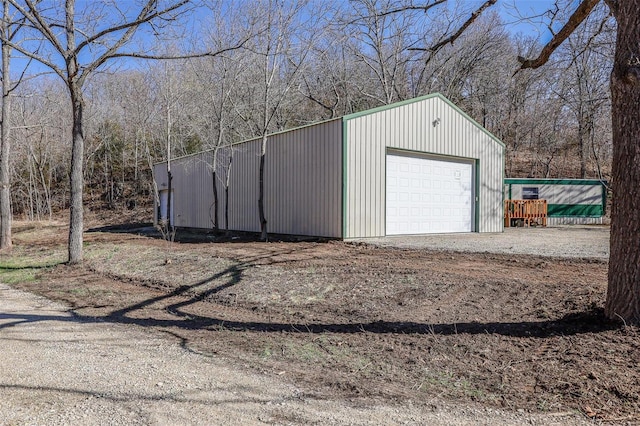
<point x="354" y="321"/>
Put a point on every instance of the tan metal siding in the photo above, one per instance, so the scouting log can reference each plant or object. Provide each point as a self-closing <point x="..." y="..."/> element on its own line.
<point x="303" y="184"/>
<point x="192" y="189"/>
<point x="243" y="187"/>
<point x="303" y="181"/>
<point x="410" y="127"/>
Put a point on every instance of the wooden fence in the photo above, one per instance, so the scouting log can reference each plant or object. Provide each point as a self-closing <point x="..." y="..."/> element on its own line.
<point x="527" y="212"/>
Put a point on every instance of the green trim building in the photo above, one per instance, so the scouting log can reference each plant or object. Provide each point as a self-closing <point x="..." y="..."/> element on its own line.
<point x="414" y="167"/>
<point x="569" y="201"/>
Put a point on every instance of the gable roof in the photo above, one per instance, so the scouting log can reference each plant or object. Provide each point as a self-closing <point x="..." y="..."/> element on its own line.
<point x="354" y="115"/>
<point x="420" y="99"/>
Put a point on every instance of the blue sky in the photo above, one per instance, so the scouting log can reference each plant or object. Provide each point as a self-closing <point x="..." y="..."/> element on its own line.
<point x="525" y="16"/>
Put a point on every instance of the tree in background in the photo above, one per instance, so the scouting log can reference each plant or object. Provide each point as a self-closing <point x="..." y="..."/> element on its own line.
<point x="5" y="195"/>
<point x="78" y="43"/>
<point x="217" y="81"/>
<point x="279" y="55"/>
<point x="9" y="26"/>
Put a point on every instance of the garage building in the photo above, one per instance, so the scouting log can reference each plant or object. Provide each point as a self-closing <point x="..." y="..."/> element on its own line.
<point x="415" y="167"/>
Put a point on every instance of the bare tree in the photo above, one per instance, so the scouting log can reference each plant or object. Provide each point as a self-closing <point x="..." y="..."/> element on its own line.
<point x="380" y="42"/>
<point x="8" y="28"/>
<point x="5" y="194"/>
<point x="280" y="54"/>
<point x="586" y="60"/>
<point x="216" y="81"/>
<point x="39" y="134"/>
<point x="77" y="45"/>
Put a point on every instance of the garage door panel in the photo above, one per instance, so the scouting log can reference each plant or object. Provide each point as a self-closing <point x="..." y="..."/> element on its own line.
<point x="428" y="196"/>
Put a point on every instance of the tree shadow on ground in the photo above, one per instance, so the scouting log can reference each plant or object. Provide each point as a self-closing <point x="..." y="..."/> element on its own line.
<point x="190" y="235"/>
<point x="176" y="299"/>
<point x="128" y="396"/>
<point x="592" y="321"/>
<point x="571" y="324"/>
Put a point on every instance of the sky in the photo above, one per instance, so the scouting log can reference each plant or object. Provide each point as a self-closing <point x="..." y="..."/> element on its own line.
<point x="526" y="16"/>
<point x="520" y="16"/>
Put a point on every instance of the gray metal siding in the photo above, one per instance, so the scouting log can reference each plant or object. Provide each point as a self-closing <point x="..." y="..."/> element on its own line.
<point x="410" y="127"/>
<point x="243" y="187"/>
<point x="569" y="201"/>
<point x="192" y="189"/>
<point x="160" y="180"/>
<point x="303" y="181"/>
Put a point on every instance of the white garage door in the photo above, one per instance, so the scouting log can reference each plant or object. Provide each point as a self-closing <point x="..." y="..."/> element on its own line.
<point x="428" y="196"/>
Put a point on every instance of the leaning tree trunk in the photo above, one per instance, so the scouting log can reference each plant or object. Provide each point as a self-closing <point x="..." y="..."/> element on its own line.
<point x="76" y="179"/>
<point x="623" y="294"/>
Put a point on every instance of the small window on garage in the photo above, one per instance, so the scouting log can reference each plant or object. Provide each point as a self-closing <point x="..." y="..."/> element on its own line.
<point x="530" y="193"/>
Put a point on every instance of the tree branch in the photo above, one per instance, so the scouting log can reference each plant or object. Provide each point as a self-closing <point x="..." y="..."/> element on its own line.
<point x="37" y="57"/>
<point x="39" y="23"/>
<point x="589" y="42"/>
<point x="410" y="7"/>
<point x="451" y="39"/>
<point x="169" y="57"/>
<point x="425" y="8"/>
<point x="580" y="14"/>
<point x="144" y="16"/>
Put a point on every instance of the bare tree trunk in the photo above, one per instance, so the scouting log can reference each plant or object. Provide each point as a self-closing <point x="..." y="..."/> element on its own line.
<point x="169" y="175"/>
<point x="226" y="191"/>
<point x="37" y="165"/>
<point x="623" y="293"/>
<point x="214" y="178"/>
<point x="263" y="220"/>
<point x="32" y="189"/>
<point x="214" y="187"/>
<point x="169" y="191"/>
<point x="5" y="192"/>
<point x="582" y="144"/>
<point x="76" y="221"/>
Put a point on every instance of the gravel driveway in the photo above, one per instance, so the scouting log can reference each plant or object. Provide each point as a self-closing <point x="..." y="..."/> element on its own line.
<point x="58" y="370"/>
<point x="562" y="241"/>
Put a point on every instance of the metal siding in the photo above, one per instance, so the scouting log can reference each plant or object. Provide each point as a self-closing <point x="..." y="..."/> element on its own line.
<point x="303" y="181"/>
<point x="555" y="221"/>
<point x="303" y="173"/>
<point x="562" y="193"/>
<point x="192" y="189"/>
<point x="410" y="127"/>
<point x="243" y="187"/>
<point x="161" y="182"/>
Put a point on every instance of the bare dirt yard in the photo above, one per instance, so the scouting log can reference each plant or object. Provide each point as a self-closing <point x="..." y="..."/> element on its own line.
<point x="351" y="321"/>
